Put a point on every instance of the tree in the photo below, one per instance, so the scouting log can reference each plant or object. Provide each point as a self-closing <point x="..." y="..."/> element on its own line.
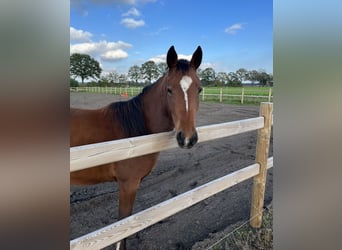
<point x="84" y="66"/>
<point x="134" y="73"/>
<point x="242" y="74"/>
<point x="113" y="77"/>
<point x="103" y="82"/>
<point x="149" y="71"/>
<point x="263" y="77"/>
<point x="123" y="78"/>
<point x="162" y="68"/>
<point x="207" y="76"/>
<point x="73" y="83"/>
<point x="253" y="76"/>
<point x="222" y="78"/>
<point x="233" y="79"/>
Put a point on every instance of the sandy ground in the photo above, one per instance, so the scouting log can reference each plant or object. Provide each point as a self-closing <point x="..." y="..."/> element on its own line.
<point x="177" y="171"/>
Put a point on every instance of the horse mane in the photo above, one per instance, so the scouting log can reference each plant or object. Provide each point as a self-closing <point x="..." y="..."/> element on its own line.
<point x="130" y="114"/>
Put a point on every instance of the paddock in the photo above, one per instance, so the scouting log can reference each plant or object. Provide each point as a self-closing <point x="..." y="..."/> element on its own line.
<point x="170" y="178"/>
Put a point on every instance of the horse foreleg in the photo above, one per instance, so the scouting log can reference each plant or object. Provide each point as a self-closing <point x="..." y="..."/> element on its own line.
<point x="127" y="192"/>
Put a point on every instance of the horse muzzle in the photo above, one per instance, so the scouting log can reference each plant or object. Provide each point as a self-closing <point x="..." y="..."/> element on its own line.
<point x="184" y="142"/>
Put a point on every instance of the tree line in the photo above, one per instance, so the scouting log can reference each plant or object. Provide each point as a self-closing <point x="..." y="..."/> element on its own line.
<point x="84" y="67"/>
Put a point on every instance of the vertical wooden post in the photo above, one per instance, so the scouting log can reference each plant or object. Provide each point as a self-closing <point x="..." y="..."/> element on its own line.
<point x="259" y="180"/>
<point x="269" y="94"/>
<point x="243" y="92"/>
<point x="203" y="94"/>
<point x="220" y="94"/>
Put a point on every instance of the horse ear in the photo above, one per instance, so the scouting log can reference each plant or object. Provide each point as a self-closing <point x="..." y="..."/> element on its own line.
<point x="172" y="57"/>
<point x="196" y="58"/>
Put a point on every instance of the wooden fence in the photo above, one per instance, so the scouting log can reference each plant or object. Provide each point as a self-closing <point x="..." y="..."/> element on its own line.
<point x="205" y="95"/>
<point x="96" y="154"/>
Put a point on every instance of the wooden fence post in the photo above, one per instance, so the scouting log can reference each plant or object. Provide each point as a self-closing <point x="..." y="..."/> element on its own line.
<point x="243" y="92"/>
<point x="269" y="94"/>
<point x="262" y="148"/>
<point x="220" y="94"/>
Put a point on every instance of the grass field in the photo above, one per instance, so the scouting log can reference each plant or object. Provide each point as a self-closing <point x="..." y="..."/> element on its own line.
<point x="232" y="95"/>
<point x="229" y="95"/>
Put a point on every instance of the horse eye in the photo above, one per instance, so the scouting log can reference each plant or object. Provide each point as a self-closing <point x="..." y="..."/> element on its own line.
<point x="200" y="90"/>
<point x="169" y="91"/>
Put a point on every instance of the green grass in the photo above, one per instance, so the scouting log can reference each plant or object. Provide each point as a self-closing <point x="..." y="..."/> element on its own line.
<point x="238" y="90"/>
<point x="246" y="238"/>
<point x="230" y="95"/>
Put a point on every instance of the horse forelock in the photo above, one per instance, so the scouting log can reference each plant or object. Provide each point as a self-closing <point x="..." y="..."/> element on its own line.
<point x="183" y="65"/>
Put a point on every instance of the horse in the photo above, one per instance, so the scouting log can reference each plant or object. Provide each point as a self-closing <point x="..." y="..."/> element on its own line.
<point x="171" y="103"/>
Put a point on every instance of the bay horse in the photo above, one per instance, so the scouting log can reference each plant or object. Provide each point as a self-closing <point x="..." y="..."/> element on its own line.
<point x="169" y="103"/>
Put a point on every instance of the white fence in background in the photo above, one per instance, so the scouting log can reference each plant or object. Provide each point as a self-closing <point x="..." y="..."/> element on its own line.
<point x="266" y="95"/>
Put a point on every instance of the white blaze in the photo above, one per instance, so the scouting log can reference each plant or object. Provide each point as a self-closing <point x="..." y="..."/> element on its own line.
<point x="185" y="85"/>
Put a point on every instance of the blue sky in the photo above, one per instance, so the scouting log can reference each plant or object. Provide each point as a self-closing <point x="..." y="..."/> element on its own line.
<point x="123" y="33"/>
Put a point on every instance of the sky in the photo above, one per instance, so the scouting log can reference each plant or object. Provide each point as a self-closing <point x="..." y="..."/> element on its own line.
<point x="233" y="34"/>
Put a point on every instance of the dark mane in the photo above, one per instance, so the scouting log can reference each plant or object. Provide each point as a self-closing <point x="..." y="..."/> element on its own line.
<point x="183" y="65"/>
<point x="130" y="114"/>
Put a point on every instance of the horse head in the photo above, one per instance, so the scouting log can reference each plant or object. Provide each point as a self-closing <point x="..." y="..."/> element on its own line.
<point x="182" y="89"/>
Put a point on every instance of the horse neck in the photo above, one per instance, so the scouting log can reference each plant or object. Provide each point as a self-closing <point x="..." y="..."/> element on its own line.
<point x="157" y="117"/>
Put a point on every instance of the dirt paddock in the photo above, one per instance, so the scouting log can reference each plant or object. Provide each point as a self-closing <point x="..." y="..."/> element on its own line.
<point x="178" y="170"/>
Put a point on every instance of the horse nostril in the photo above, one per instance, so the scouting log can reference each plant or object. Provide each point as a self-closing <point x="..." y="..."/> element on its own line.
<point x="193" y="140"/>
<point x="181" y="139"/>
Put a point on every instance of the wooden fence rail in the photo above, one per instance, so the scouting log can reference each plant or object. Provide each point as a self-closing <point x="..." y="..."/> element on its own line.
<point x="139" y="221"/>
<point x="96" y="154"/>
<point x="100" y="153"/>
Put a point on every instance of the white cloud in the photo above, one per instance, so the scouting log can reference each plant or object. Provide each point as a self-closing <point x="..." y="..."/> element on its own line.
<point x="205" y="65"/>
<point x="158" y="58"/>
<point x="132" y="23"/>
<point x="162" y="58"/>
<point x="109" y="51"/>
<point x="98" y="47"/>
<point x="159" y="31"/>
<point x="132" y="12"/>
<point x="79" y="35"/>
<point x="234" y="28"/>
<point x="114" y="55"/>
<point x="187" y="57"/>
